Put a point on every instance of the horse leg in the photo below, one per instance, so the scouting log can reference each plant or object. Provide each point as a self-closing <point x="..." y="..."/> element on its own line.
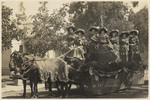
<point x="58" y="86"/>
<point x="31" y="86"/>
<point x="62" y="89"/>
<point x="35" y="89"/>
<point x="67" y="88"/>
<point x="24" y="86"/>
<point x="50" y="86"/>
<point x="82" y="89"/>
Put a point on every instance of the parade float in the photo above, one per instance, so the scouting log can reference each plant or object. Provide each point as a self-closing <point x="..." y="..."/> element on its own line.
<point x="102" y="79"/>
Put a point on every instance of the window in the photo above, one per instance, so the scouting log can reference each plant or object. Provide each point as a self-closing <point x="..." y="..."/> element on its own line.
<point x="21" y="48"/>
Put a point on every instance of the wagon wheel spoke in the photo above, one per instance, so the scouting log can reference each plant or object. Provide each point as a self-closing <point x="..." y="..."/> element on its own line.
<point x="58" y="86"/>
<point x="84" y="86"/>
<point x="68" y="86"/>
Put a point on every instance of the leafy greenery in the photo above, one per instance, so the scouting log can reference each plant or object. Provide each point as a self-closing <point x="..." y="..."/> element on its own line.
<point x="10" y="29"/>
<point x="112" y="15"/>
<point x="140" y="20"/>
<point x="49" y="29"/>
<point x="46" y="30"/>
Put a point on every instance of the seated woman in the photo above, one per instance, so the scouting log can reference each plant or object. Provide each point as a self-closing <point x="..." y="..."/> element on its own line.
<point x="133" y="45"/>
<point x="93" y="32"/>
<point x="124" y="46"/>
<point x="80" y="42"/>
<point x="113" y="36"/>
<point x="70" y="36"/>
<point x="93" y="44"/>
<point x="106" y="55"/>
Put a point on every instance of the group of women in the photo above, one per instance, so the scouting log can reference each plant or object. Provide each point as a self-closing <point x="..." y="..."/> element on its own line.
<point x="109" y="46"/>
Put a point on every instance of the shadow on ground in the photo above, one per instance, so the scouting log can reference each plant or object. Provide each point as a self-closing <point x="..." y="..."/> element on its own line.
<point x="75" y="93"/>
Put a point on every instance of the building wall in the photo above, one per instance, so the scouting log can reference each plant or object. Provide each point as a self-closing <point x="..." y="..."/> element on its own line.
<point x="15" y="45"/>
<point x="6" y="56"/>
<point x="50" y="54"/>
<point x="5" y="62"/>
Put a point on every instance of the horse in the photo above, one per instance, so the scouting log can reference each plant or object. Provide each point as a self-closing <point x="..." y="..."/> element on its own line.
<point x="23" y="69"/>
<point x="26" y="69"/>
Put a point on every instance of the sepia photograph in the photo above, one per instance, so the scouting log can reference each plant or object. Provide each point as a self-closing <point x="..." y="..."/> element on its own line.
<point x="74" y="49"/>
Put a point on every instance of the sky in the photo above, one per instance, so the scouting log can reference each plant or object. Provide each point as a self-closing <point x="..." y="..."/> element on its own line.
<point x="141" y="4"/>
<point x="32" y="6"/>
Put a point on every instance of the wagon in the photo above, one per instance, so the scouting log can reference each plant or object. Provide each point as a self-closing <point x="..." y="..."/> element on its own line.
<point x="102" y="78"/>
<point x="98" y="82"/>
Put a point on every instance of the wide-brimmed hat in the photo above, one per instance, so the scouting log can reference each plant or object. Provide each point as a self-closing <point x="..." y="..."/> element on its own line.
<point x="135" y="32"/>
<point x="126" y="33"/>
<point x="93" y="28"/>
<point x="114" y="31"/>
<point x="103" y="29"/>
<point x="80" y="30"/>
<point x="71" y="27"/>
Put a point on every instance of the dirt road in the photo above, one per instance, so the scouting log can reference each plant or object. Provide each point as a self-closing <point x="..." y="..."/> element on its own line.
<point x="138" y="91"/>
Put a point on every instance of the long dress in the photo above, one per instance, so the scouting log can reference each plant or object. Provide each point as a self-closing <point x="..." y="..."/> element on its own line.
<point x="77" y="49"/>
<point x="133" y="47"/>
<point x="124" y="48"/>
<point x="105" y="49"/>
<point x="93" y="44"/>
<point x="115" y="43"/>
<point x="70" y="39"/>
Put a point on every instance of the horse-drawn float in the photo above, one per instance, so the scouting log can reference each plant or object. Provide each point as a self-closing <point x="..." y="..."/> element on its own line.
<point x="92" y="77"/>
<point x="98" y="81"/>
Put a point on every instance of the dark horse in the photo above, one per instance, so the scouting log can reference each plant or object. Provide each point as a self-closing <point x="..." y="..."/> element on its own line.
<point x="21" y="68"/>
<point x="25" y="69"/>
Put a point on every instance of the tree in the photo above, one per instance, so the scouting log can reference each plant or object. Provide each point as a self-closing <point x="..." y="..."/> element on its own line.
<point x="46" y="30"/>
<point x="10" y="29"/>
<point x="21" y="16"/>
<point x="112" y="15"/>
<point x="140" y="20"/>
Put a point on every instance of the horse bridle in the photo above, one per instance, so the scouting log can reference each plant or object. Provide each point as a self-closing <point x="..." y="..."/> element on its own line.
<point x="23" y="68"/>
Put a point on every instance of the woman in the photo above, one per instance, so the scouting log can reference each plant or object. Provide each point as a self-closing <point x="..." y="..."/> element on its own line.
<point x="133" y="44"/>
<point x="80" y="42"/>
<point x="113" y="35"/>
<point x="105" y="48"/>
<point x="93" y="44"/>
<point x="124" y="46"/>
<point x="70" y="36"/>
<point x="93" y="31"/>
